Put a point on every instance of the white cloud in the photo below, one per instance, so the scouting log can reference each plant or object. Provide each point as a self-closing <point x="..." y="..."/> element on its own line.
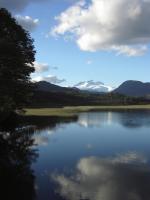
<point x="107" y="179"/>
<point x="49" y="78"/>
<point x="131" y="51"/>
<point x="121" y="26"/>
<point x="27" y="22"/>
<point x="41" y="67"/>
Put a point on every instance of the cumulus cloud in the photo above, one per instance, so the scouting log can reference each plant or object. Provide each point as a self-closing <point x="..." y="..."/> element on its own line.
<point x="27" y="22"/>
<point x="109" y="25"/>
<point x="41" y="67"/>
<point x="49" y="78"/>
<point x="124" y="177"/>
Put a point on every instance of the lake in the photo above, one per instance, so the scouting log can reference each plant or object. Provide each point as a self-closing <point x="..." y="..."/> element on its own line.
<point x="94" y="156"/>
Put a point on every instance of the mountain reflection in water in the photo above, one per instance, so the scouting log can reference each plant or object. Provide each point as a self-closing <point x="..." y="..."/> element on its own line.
<point x="72" y="158"/>
<point x="130" y="119"/>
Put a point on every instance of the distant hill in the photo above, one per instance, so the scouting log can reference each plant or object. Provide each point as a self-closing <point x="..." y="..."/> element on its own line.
<point x="46" y="94"/>
<point x="133" y="88"/>
<point x="49" y="87"/>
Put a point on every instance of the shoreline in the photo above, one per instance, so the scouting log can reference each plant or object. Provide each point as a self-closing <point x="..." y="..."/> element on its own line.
<point x="74" y="110"/>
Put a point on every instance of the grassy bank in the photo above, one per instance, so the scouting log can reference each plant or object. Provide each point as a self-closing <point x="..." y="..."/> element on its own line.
<point x="72" y="111"/>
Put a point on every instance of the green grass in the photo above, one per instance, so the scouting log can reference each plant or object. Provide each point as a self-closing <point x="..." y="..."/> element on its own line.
<point x="74" y="110"/>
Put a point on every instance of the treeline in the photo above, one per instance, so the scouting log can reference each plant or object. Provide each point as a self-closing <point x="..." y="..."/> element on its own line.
<point x="79" y="98"/>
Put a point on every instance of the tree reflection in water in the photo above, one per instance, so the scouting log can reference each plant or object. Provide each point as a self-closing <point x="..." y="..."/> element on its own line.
<point x="17" y="153"/>
<point x="123" y="177"/>
<point x="16" y="156"/>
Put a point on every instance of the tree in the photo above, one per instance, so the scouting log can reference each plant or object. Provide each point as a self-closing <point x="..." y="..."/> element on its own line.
<point x="17" y="55"/>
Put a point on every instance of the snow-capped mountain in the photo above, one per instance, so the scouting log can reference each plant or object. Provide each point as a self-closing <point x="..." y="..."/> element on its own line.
<point x="93" y="86"/>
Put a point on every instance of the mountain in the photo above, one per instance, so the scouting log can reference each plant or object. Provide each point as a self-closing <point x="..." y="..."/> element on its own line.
<point x="93" y="86"/>
<point x="47" y="95"/>
<point x="49" y="87"/>
<point x="133" y="88"/>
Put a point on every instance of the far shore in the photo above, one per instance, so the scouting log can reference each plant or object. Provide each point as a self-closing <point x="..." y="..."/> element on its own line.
<point x="74" y="110"/>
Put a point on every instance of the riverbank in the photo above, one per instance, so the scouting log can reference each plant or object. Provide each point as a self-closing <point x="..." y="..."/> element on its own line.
<point x="72" y="111"/>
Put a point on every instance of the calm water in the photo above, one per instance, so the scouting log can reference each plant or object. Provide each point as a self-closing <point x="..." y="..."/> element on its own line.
<point x="96" y="156"/>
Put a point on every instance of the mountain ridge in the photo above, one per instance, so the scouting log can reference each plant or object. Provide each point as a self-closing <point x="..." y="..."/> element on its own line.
<point x="49" y="87"/>
<point x="133" y="88"/>
<point x="129" y="88"/>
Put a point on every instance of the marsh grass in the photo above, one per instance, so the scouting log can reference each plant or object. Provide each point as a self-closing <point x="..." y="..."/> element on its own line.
<point x="72" y="111"/>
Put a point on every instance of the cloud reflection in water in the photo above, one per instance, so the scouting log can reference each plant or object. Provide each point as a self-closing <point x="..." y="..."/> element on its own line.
<point x="124" y="177"/>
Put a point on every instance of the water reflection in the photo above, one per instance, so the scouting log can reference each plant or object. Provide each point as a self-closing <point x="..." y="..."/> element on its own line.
<point x="45" y="123"/>
<point x="61" y="142"/>
<point x="134" y="119"/>
<point x="17" y="179"/>
<point x="95" y="119"/>
<point x="129" y="119"/>
<point x="45" y="127"/>
<point x="41" y="140"/>
<point x="124" y="177"/>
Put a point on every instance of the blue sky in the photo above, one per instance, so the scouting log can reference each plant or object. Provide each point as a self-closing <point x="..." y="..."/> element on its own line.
<point x="66" y="55"/>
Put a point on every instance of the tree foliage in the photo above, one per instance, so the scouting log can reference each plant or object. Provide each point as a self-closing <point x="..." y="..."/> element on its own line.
<point x="17" y="55"/>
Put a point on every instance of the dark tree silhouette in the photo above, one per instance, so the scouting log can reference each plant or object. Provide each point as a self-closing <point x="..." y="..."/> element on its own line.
<point x="16" y="63"/>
